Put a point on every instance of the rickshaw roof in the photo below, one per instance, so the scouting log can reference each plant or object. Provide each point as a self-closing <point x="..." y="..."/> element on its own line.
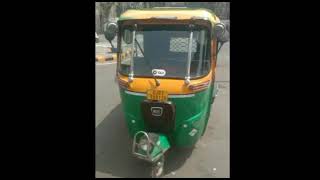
<point x="179" y="13"/>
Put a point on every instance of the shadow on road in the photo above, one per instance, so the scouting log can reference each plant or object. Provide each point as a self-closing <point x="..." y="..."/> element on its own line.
<point x="113" y="150"/>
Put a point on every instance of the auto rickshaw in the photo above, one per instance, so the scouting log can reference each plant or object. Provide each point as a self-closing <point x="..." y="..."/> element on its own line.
<point x="166" y="66"/>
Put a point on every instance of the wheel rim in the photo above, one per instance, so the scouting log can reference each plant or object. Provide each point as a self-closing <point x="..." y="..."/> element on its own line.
<point x="159" y="171"/>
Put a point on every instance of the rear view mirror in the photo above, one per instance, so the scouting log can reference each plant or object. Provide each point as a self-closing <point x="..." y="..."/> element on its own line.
<point x="221" y="32"/>
<point x="225" y="38"/>
<point x="110" y="30"/>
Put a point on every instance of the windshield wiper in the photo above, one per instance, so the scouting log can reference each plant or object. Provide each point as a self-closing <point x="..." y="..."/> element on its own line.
<point x="154" y="77"/>
<point x="156" y="80"/>
<point x="131" y="67"/>
<point x="139" y="47"/>
<point x="187" y="78"/>
<point x="132" y="54"/>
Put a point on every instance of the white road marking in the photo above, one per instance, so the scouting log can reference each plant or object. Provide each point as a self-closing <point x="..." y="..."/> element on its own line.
<point x="102" y="45"/>
<point x="104" y="64"/>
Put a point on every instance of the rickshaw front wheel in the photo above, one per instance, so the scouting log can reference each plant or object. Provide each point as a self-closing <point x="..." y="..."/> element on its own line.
<point x="157" y="168"/>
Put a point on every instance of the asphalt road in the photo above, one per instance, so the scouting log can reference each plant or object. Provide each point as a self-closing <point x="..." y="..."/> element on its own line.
<point x="210" y="158"/>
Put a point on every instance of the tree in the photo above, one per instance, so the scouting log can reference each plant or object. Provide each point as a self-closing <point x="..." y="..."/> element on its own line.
<point x="108" y="9"/>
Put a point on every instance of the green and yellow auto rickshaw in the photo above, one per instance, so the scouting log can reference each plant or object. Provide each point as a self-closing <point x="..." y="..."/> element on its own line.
<point x="166" y="66"/>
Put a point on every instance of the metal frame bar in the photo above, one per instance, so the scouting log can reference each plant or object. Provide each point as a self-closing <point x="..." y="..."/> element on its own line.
<point x="202" y="44"/>
<point x="187" y="78"/>
<point x="132" y="53"/>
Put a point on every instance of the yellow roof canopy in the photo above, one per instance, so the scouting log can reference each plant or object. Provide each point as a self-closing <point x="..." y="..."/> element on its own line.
<point x="176" y="13"/>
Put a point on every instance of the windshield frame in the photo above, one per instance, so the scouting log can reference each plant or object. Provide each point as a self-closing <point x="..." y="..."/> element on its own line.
<point x="201" y="22"/>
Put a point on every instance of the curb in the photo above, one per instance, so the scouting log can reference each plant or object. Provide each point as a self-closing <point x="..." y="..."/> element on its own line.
<point x="111" y="56"/>
<point x="104" y="58"/>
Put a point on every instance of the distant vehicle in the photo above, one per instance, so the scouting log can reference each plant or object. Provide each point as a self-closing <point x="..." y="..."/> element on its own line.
<point x="97" y="38"/>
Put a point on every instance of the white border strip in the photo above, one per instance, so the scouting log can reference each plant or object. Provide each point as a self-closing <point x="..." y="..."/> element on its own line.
<point x="181" y="96"/>
<point x="136" y="94"/>
<point x="170" y="96"/>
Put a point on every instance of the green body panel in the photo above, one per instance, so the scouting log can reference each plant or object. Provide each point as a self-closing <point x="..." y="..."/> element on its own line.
<point x="191" y="113"/>
<point x="212" y="94"/>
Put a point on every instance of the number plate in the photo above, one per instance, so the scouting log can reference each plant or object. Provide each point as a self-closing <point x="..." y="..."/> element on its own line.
<point x="157" y="95"/>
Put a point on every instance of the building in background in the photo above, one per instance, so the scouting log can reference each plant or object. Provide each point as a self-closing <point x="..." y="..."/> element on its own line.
<point x="108" y="11"/>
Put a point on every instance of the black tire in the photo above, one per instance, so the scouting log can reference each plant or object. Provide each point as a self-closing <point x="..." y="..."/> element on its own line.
<point x="157" y="170"/>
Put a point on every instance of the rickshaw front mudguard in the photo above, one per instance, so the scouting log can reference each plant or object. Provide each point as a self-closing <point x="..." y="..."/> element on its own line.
<point x="190" y="119"/>
<point x="152" y="150"/>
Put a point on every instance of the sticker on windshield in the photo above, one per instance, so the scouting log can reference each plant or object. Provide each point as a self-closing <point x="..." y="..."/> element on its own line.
<point x="158" y="72"/>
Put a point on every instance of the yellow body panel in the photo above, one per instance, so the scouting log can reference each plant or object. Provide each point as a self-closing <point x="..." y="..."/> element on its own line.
<point x="172" y="86"/>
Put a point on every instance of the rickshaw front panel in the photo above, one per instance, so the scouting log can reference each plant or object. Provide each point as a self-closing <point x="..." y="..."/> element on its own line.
<point x="190" y="120"/>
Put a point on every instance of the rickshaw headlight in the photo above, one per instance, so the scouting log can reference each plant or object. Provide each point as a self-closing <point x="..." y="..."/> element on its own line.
<point x="123" y="84"/>
<point x="143" y="144"/>
<point x="200" y="86"/>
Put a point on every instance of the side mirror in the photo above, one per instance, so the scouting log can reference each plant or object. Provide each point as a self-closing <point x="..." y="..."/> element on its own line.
<point x="225" y="38"/>
<point x="110" y="30"/>
<point x="221" y="32"/>
<point x="127" y="37"/>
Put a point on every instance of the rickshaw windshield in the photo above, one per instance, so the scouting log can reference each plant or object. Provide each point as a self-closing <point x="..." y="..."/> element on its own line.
<point x="165" y="48"/>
